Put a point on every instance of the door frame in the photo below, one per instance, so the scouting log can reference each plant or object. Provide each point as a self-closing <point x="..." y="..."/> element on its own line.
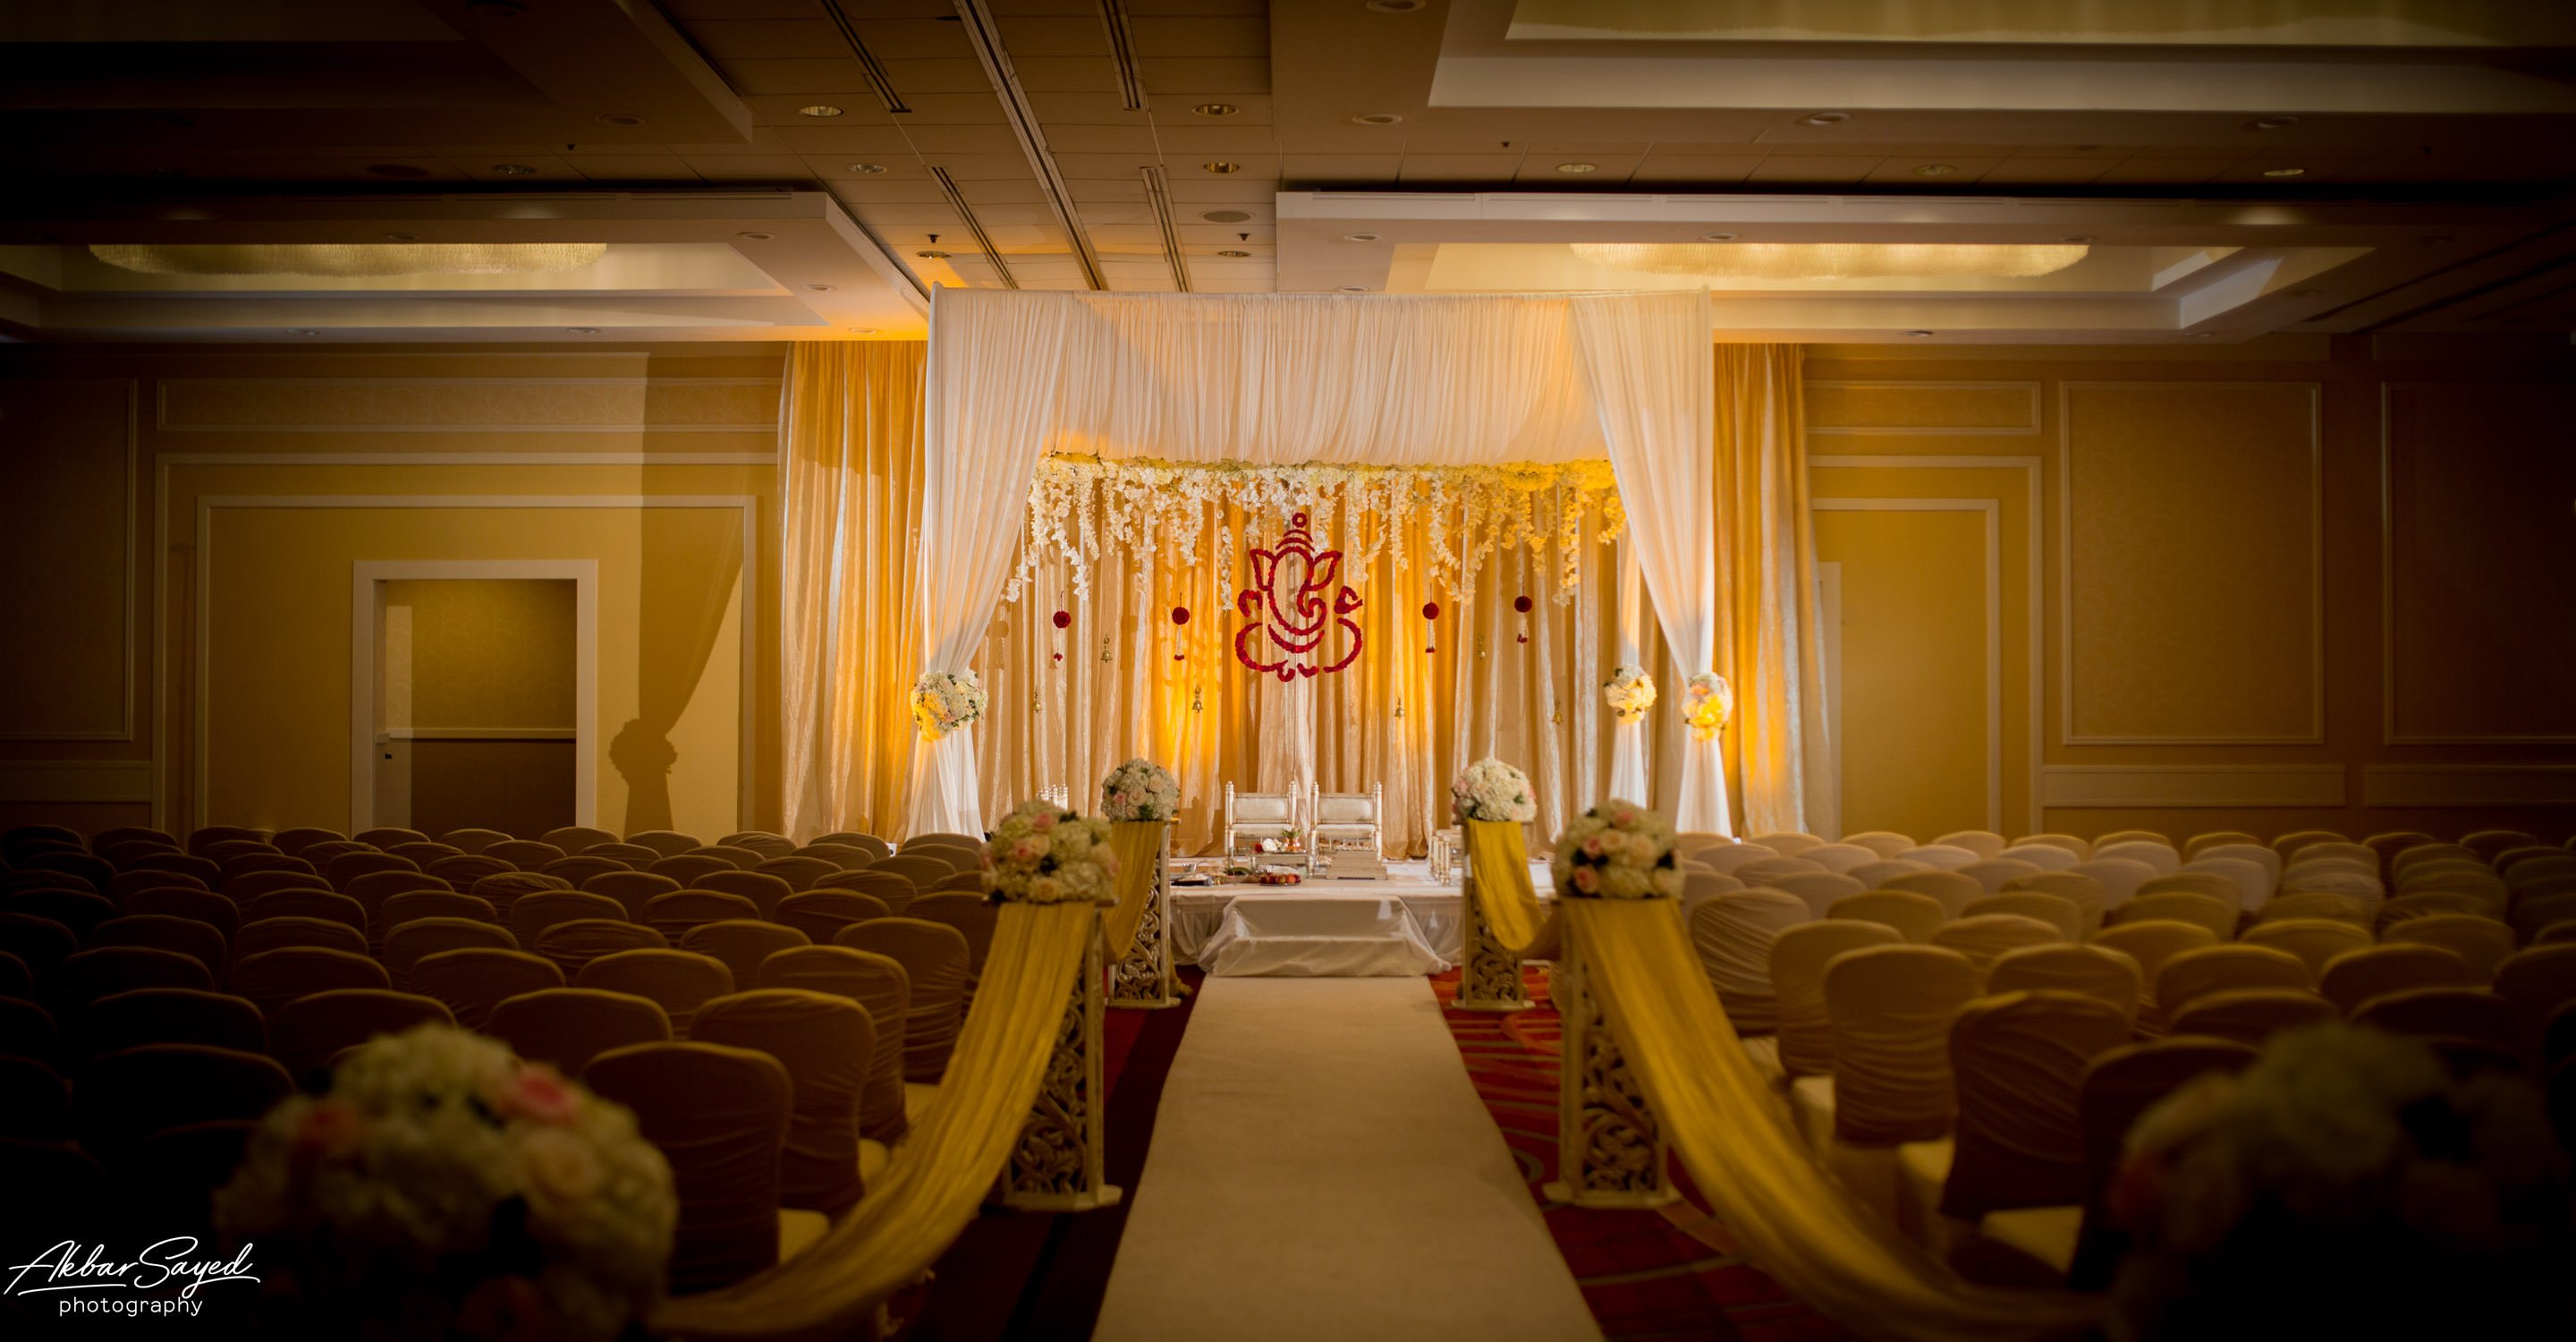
<point x="365" y="611"/>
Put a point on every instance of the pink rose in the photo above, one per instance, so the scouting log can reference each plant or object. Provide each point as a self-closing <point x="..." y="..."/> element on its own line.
<point x="537" y="1092"/>
<point x="1027" y="850"/>
<point x="1625" y="819"/>
<point x="329" y="1130"/>
<point x="1586" y="880"/>
<point x="1592" y="845"/>
<point x="559" y="1166"/>
<point x="1042" y="821"/>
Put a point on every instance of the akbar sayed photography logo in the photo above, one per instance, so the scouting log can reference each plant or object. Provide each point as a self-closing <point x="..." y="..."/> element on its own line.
<point x="164" y="1278"/>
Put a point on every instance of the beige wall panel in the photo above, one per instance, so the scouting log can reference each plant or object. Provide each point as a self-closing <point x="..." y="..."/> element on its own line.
<point x="2481" y="562"/>
<point x="66" y="513"/>
<point x="485" y="654"/>
<point x="1923" y="407"/>
<point x="1917" y="731"/>
<point x="485" y="405"/>
<point x="2192" y="593"/>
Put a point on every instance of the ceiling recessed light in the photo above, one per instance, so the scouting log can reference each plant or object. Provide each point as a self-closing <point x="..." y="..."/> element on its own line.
<point x="1717" y="237"/>
<point x="1220" y="167"/>
<point x="1578" y="167"/>
<point x="1355" y="288"/>
<point x="1359" y="237"/>
<point x="2077" y="237"/>
<point x="863" y="330"/>
<point x="1395" y="6"/>
<point x="621" y="119"/>
<point x="753" y="237"/>
<point x="2271" y="122"/>
<point x="1376" y="119"/>
<point x="1935" y="170"/>
<point x="932" y="256"/>
<point x="1920" y="335"/>
<point x="581" y="330"/>
<point x="303" y="330"/>
<point x="1824" y="119"/>
<point x="1235" y="254"/>
<point x="2285" y="172"/>
<point x="1216" y="109"/>
<point x="819" y="110"/>
<point x="1225" y="216"/>
<point x="402" y="237"/>
<point x="867" y="167"/>
<point x="513" y="169"/>
<point x="818" y="288"/>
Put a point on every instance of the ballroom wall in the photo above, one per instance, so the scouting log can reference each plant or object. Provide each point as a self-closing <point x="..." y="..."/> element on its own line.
<point x="184" y="524"/>
<point x="2286" y="583"/>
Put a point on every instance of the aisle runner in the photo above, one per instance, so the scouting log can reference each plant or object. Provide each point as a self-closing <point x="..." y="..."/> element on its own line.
<point x="1672" y="1272"/>
<point x="1322" y="1168"/>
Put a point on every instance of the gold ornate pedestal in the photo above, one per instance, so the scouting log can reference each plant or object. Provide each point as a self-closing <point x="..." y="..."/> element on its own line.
<point x="1610" y="1150"/>
<point x="1489" y="979"/>
<point x="1058" y="1165"/>
<point x="1143" y="980"/>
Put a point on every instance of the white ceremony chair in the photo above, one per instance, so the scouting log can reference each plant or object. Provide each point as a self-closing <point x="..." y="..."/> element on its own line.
<point x="1345" y="817"/>
<point x="1259" y="815"/>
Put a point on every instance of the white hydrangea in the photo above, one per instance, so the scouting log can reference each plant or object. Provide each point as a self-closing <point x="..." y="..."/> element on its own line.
<point x="1140" y="790"/>
<point x="1492" y="790"/>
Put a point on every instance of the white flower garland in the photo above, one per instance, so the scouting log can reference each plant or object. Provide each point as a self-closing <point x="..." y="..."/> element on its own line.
<point x="1140" y="789"/>
<point x="943" y="701"/>
<point x="1629" y="691"/>
<point x="1075" y="503"/>
<point x="1708" y="703"/>
<point x="1492" y="790"/>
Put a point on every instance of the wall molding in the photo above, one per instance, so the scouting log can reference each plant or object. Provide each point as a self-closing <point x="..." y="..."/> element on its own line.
<point x="2159" y="786"/>
<point x="2067" y="735"/>
<point x="125" y="781"/>
<point x="2395" y="785"/>
<point x="128" y="654"/>
<point x="469" y="458"/>
<point x="166" y="423"/>
<point x="2029" y="428"/>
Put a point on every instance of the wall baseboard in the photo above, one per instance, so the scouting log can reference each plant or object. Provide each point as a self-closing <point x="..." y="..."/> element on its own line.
<point x="2151" y="786"/>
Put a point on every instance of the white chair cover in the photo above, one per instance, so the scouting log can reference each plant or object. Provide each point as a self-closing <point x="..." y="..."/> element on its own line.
<point x="1982" y="842"/>
<point x="1996" y="872"/>
<point x="1799" y="957"/>
<point x="2253" y="882"/>
<point x="1733" y="935"/>
<point x="2046" y="856"/>
<point x="1892" y="1008"/>
<point x="2098" y="972"/>
<point x="1875" y="874"/>
<point x="2160" y="856"/>
<point x="1841" y="857"/>
<point x="1941" y="855"/>
<point x="1986" y="937"/>
<point x="1818" y="888"/>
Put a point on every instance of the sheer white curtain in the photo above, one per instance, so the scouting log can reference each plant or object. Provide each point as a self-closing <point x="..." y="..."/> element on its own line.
<point x="991" y="397"/>
<point x="1652" y="371"/>
<point x="1628" y="778"/>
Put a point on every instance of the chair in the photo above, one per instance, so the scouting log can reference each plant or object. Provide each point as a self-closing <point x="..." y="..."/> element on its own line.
<point x="2357" y="976"/>
<point x="933" y="956"/>
<point x="2252" y="1015"/>
<point x="972" y="883"/>
<point x="97" y="871"/>
<point x="1725" y="860"/>
<point x="1995" y="873"/>
<point x="574" y="838"/>
<point x="721" y="1115"/>
<point x="2228" y="967"/>
<point x="674" y="914"/>
<point x="2098" y="972"/>
<point x="1768" y="872"/>
<point x="1891" y="1008"/>
<point x="2087" y="894"/>
<point x="825" y="1042"/>
<point x="198" y="941"/>
<point x="39" y="943"/>
<point x="126" y="1096"/>
<point x="167" y="1016"/>
<point x="2532" y="914"/>
<point x="524" y="854"/>
<point x="532" y="914"/>
<point x="2406" y="908"/>
<point x="1887" y="842"/>
<point x="2486" y="843"/>
<point x="2417" y="854"/>
<point x="630" y="888"/>
<point x="1345" y="817"/>
<point x="406" y="946"/>
<point x="386" y="836"/>
<point x="268" y="934"/>
<point x="821" y="914"/>
<point x="680" y="981"/>
<point x="1733" y="936"/>
<point x="742" y="944"/>
<point x="973" y="916"/>
<point x="2151" y="943"/>
<point x="271" y="979"/>
<point x="1873" y="875"/>
<point x="474" y="979"/>
<point x="1985" y="843"/>
<point x="35" y="1105"/>
<point x="2538" y="981"/>
<point x="2055" y="910"/>
<point x="635" y="855"/>
<point x="1987" y="937"/>
<point x="465" y="871"/>
<point x="2045" y="856"/>
<point x="324" y="904"/>
<point x="1799" y="956"/>
<point x="1941" y="857"/>
<point x="842" y="856"/>
<point x="1842" y="857"/>
<point x="2335" y="877"/>
<point x="202" y="870"/>
<point x="2179" y="906"/>
<point x="1696" y="886"/>
<point x="2020" y="1060"/>
<point x="125" y="883"/>
<point x="669" y="843"/>
<point x="1816" y="889"/>
<point x="16" y="980"/>
<point x="1258" y="815"/>
<point x="472" y="840"/>
<point x="760" y="841"/>
<point x="2119" y="1087"/>
<point x="2317" y="904"/>
<point x="2193" y="846"/>
<point x="876" y="982"/>
<point x="2157" y="855"/>
<point x="876" y="847"/>
<point x="307" y="1033"/>
<point x="252" y="885"/>
<point x="320" y="854"/>
<point x="28" y="1031"/>
<point x="567" y="1027"/>
<point x="2261" y="870"/>
<point x="581" y="868"/>
<point x="923" y="869"/>
<point x="897" y="892"/>
<point x="198" y="840"/>
<point x="1951" y="889"/>
<point x="800" y="873"/>
<point x="426" y="851"/>
<point x="1787" y="843"/>
<point x="373" y="889"/>
<point x="2120" y="876"/>
<point x="2132" y="836"/>
<point x="733" y="855"/>
<point x="2444" y="1013"/>
<point x="577" y="942"/>
<point x="690" y="867"/>
<point x="411" y="905"/>
<point x="80" y="910"/>
<point x="765" y="890"/>
<point x="2315" y="940"/>
<point x="348" y="867"/>
<point x="1914" y="916"/>
<point x="2291" y="844"/>
<point x="85" y="976"/>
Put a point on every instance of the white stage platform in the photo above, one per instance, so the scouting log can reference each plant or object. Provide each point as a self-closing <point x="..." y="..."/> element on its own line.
<point x="1437" y="910"/>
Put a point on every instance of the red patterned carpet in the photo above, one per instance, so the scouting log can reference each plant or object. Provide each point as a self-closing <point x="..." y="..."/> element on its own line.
<point x="1672" y="1272"/>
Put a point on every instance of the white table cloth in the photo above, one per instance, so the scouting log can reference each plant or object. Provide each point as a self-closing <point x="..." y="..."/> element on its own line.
<point x="1319" y="936"/>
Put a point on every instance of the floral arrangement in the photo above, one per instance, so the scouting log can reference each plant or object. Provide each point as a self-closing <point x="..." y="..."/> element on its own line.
<point x="1707" y="703"/>
<point x="1468" y="512"/>
<point x="1493" y="790"/>
<point x="943" y="701"/>
<point x="1140" y="789"/>
<point x="1616" y="850"/>
<point x="443" y="1188"/>
<point x="2345" y="1155"/>
<point x="1042" y="853"/>
<point x="1629" y="691"/>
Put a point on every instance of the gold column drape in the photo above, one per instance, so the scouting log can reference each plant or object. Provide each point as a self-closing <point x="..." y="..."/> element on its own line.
<point x="938" y="1179"/>
<point x="1499" y="861"/>
<point x="850" y="461"/>
<point x="1795" y="1221"/>
<point x="1136" y="844"/>
<point x="1779" y="753"/>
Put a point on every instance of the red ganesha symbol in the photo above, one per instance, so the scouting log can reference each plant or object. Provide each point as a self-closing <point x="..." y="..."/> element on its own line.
<point x="1287" y="607"/>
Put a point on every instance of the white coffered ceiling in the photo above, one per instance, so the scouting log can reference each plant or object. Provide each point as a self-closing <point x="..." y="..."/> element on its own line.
<point x="1231" y="146"/>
